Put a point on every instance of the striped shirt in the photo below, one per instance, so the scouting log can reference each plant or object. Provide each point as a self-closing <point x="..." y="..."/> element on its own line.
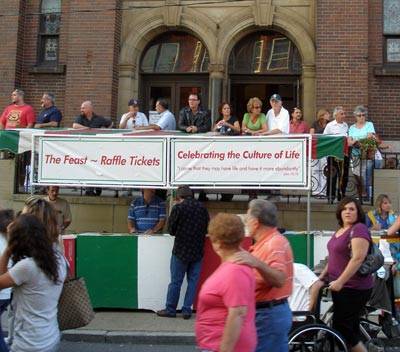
<point x="275" y="251"/>
<point x="146" y="215"/>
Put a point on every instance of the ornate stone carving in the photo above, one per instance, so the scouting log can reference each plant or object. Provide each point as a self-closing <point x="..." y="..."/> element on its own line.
<point x="172" y="13"/>
<point x="263" y="12"/>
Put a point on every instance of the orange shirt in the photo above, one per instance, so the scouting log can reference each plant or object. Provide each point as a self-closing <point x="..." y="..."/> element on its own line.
<point x="275" y="251"/>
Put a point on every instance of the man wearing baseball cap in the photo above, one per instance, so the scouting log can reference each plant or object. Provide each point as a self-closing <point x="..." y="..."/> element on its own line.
<point x="277" y="117"/>
<point x="133" y="117"/>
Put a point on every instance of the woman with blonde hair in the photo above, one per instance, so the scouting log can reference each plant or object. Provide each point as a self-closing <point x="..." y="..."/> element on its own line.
<point x="382" y="216"/>
<point x="318" y="126"/>
<point x="47" y="215"/>
<point x="254" y="121"/>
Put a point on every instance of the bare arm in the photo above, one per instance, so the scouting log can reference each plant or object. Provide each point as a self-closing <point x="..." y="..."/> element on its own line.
<point x="77" y="125"/>
<point x="274" y="277"/>
<point x="395" y="227"/>
<point x="158" y="227"/>
<point x="149" y="127"/>
<point x="359" y="248"/>
<point x="233" y="326"/>
<point x="131" y="226"/>
<point x="47" y="124"/>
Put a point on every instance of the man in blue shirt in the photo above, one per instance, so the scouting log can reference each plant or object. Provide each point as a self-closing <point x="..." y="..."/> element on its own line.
<point x="147" y="214"/>
<point x="167" y="120"/>
<point x="50" y="116"/>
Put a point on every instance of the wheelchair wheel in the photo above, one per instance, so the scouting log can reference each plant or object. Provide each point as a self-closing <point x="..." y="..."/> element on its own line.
<point x="375" y="345"/>
<point x="316" y="338"/>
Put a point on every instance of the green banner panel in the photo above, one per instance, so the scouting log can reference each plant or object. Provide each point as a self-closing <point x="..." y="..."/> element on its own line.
<point x="299" y="248"/>
<point x="109" y="266"/>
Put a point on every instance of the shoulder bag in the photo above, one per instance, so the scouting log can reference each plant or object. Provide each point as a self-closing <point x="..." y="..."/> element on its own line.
<point x="74" y="307"/>
<point x="373" y="261"/>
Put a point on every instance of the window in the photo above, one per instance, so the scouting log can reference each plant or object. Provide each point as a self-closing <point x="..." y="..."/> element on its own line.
<point x="49" y="32"/>
<point x="175" y="52"/>
<point x="391" y="31"/>
<point x="265" y="53"/>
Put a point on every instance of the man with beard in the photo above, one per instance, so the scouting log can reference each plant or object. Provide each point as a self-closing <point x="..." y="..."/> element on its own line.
<point x="18" y="114"/>
<point x="88" y="118"/>
<point x="50" y="116"/>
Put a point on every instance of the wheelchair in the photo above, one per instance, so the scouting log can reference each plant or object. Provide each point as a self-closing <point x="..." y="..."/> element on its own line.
<point x="314" y="334"/>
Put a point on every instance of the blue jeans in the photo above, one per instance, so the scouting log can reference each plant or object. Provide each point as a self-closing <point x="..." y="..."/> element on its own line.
<point x="3" y="305"/>
<point x="273" y="327"/>
<point x="178" y="270"/>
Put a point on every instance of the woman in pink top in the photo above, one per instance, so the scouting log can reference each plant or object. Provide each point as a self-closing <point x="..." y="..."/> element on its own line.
<point x="226" y="308"/>
<point x="297" y="125"/>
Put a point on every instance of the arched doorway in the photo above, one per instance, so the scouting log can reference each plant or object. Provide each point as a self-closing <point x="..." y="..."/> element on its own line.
<point x="173" y="65"/>
<point x="261" y="64"/>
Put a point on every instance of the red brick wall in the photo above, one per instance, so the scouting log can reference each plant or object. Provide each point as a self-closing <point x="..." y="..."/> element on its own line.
<point x="89" y="49"/>
<point x="349" y="47"/>
<point x="11" y="29"/>
<point x="384" y="90"/>
<point x="92" y="57"/>
<point x="342" y="54"/>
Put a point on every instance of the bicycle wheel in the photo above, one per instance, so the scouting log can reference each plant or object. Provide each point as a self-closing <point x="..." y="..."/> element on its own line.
<point x="375" y="345"/>
<point x="316" y="338"/>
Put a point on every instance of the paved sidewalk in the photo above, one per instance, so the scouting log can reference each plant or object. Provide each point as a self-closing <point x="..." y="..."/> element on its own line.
<point x="139" y="327"/>
<point x="145" y="327"/>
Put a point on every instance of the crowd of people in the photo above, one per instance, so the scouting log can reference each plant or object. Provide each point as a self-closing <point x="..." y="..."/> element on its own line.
<point x="247" y="303"/>
<point x="195" y="118"/>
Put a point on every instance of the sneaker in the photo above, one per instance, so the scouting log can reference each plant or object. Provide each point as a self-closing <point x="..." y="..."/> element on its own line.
<point x="187" y="316"/>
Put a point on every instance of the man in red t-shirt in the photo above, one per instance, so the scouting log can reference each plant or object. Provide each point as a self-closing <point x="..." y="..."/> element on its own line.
<point x="18" y="114"/>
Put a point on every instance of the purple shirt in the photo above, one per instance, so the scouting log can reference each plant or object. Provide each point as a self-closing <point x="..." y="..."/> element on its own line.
<point x="339" y="256"/>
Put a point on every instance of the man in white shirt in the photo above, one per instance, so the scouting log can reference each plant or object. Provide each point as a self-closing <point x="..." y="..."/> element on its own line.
<point x="167" y="120"/>
<point x="337" y="167"/>
<point x="277" y="117"/>
<point x="133" y="117"/>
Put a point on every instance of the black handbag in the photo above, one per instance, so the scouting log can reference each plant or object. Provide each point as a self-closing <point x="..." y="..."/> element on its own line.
<point x="373" y="261"/>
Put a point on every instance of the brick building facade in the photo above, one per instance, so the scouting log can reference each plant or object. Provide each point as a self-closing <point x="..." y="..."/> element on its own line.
<point x="102" y="44"/>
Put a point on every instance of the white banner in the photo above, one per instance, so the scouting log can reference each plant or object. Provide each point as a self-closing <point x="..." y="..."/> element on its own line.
<point x="99" y="160"/>
<point x="240" y="161"/>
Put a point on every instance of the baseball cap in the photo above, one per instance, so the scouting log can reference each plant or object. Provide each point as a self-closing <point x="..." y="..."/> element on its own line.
<point x="133" y="102"/>
<point x="275" y="97"/>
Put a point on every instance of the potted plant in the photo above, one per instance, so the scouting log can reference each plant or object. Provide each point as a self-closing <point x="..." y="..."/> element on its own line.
<point x="368" y="146"/>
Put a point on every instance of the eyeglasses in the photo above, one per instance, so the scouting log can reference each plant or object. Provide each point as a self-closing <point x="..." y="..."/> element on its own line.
<point x="361" y="115"/>
<point x="193" y="99"/>
<point x="256" y="107"/>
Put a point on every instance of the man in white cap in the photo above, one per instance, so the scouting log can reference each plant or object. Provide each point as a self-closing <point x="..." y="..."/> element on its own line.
<point x="133" y="117"/>
<point x="278" y="119"/>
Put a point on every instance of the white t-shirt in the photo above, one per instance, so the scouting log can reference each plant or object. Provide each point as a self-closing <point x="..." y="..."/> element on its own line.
<point x="36" y="299"/>
<point x="140" y="120"/>
<point x="303" y="279"/>
<point x="281" y="121"/>
<point x="5" y="292"/>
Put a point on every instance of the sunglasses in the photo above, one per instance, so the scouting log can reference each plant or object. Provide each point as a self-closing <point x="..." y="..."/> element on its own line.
<point x="361" y="115"/>
<point x="256" y="107"/>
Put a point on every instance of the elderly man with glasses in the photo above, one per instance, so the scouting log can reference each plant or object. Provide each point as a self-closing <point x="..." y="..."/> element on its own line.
<point x="271" y="258"/>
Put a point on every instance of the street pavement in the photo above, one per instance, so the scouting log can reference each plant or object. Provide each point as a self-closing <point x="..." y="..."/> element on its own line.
<point x="144" y="327"/>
